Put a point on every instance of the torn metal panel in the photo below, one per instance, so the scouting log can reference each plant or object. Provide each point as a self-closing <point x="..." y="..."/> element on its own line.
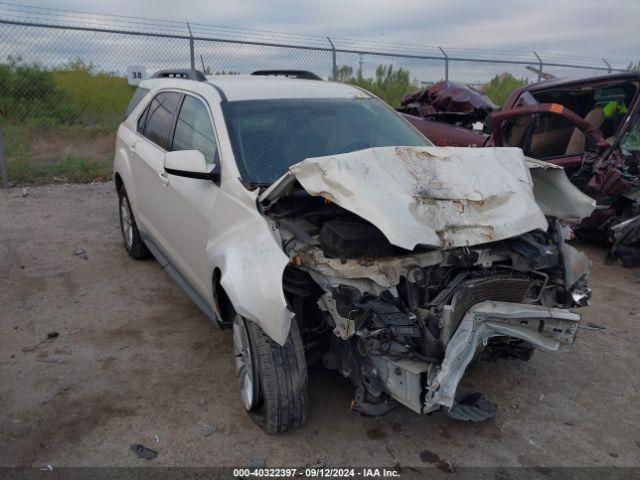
<point x="556" y="195"/>
<point x="576" y="265"/>
<point x="549" y="329"/>
<point x="436" y="196"/>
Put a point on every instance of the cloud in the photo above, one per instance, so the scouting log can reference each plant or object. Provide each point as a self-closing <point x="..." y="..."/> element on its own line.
<point x="579" y="27"/>
<point x="571" y="27"/>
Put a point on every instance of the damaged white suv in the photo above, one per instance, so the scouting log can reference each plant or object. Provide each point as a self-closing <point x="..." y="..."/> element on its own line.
<point x="322" y="227"/>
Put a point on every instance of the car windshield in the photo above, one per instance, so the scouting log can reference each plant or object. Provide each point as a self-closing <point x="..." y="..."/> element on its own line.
<point x="268" y="136"/>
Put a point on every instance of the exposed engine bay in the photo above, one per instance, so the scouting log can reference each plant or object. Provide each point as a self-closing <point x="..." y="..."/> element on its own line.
<point x="403" y="324"/>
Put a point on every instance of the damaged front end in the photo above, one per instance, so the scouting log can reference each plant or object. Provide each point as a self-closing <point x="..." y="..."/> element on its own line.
<point x="449" y="102"/>
<point x="403" y="271"/>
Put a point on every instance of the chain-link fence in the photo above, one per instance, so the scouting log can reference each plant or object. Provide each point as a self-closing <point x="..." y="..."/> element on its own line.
<point x="64" y="86"/>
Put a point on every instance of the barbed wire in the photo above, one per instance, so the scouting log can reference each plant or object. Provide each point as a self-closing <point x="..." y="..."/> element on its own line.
<point x="126" y="23"/>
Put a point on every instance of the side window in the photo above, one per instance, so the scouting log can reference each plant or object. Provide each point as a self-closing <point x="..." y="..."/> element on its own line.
<point x="160" y="117"/>
<point x="143" y="119"/>
<point x="194" y="130"/>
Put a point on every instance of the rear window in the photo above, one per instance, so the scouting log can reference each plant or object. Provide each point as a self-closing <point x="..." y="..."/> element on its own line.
<point x="138" y="95"/>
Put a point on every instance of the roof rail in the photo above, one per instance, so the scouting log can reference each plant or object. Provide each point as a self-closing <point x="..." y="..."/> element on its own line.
<point x="184" y="73"/>
<point x="302" y="74"/>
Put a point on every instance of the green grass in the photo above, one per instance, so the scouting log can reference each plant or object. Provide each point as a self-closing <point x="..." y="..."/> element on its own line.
<point x="63" y="153"/>
<point x="64" y="169"/>
<point x="59" y="125"/>
<point x="97" y="98"/>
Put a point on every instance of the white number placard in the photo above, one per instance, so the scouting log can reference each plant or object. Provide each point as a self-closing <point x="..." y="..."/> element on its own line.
<point x="136" y="73"/>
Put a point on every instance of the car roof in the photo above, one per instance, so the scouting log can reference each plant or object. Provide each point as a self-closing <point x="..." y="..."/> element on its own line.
<point x="259" y="87"/>
<point x="569" y="81"/>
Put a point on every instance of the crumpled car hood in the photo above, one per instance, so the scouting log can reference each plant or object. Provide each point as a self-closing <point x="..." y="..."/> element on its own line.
<point x="436" y="196"/>
<point x="449" y="97"/>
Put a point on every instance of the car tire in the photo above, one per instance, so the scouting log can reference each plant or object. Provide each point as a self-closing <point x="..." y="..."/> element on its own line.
<point x="273" y="379"/>
<point x="133" y="243"/>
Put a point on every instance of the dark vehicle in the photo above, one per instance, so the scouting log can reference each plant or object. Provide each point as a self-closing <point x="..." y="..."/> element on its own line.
<point x="589" y="126"/>
<point x="449" y="102"/>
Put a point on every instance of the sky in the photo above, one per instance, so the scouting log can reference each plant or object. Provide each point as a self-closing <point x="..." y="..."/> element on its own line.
<point x="509" y="30"/>
<point x="600" y="28"/>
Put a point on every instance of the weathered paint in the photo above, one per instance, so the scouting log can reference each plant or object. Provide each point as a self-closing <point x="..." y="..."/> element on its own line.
<point x="443" y="197"/>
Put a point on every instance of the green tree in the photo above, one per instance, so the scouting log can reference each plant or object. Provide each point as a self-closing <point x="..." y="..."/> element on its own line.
<point x="389" y="83"/>
<point x="500" y="87"/>
<point x="344" y="74"/>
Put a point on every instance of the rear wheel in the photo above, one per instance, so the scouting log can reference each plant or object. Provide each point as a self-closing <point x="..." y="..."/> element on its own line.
<point x="272" y="378"/>
<point x="130" y="235"/>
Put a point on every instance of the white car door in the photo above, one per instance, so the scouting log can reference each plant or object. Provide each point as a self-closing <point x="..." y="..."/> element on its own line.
<point x="187" y="203"/>
<point x="148" y="152"/>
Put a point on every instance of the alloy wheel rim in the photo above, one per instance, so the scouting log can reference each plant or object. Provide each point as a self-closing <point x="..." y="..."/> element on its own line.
<point x="245" y="368"/>
<point x="127" y="227"/>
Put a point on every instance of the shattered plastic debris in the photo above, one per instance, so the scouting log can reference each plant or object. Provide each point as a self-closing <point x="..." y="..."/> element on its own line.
<point x="257" y="462"/>
<point x="598" y="326"/>
<point x="472" y="408"/>
<point x="80" y="252"/>
<point x="143" y="452"/>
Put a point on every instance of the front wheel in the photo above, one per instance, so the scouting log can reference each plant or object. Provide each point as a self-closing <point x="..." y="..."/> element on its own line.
<point x="272" y="378"/>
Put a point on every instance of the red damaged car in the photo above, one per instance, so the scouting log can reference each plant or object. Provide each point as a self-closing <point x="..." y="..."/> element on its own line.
<point x="589" y="126"/>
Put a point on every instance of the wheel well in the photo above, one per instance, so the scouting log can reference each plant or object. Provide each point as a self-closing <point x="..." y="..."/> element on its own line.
<point x="118" y="181"/>
<point x="220" y="297"/>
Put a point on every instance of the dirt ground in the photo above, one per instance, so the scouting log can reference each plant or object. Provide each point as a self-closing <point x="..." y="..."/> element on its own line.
<point x="135" y="361"/>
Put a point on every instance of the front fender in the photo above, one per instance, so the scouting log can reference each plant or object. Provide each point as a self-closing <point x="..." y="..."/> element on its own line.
<point x="250" y="258"/>
<point x="122" y="166"/>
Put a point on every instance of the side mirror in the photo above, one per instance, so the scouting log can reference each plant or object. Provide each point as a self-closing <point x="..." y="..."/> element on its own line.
<point x="190" y="164"/>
